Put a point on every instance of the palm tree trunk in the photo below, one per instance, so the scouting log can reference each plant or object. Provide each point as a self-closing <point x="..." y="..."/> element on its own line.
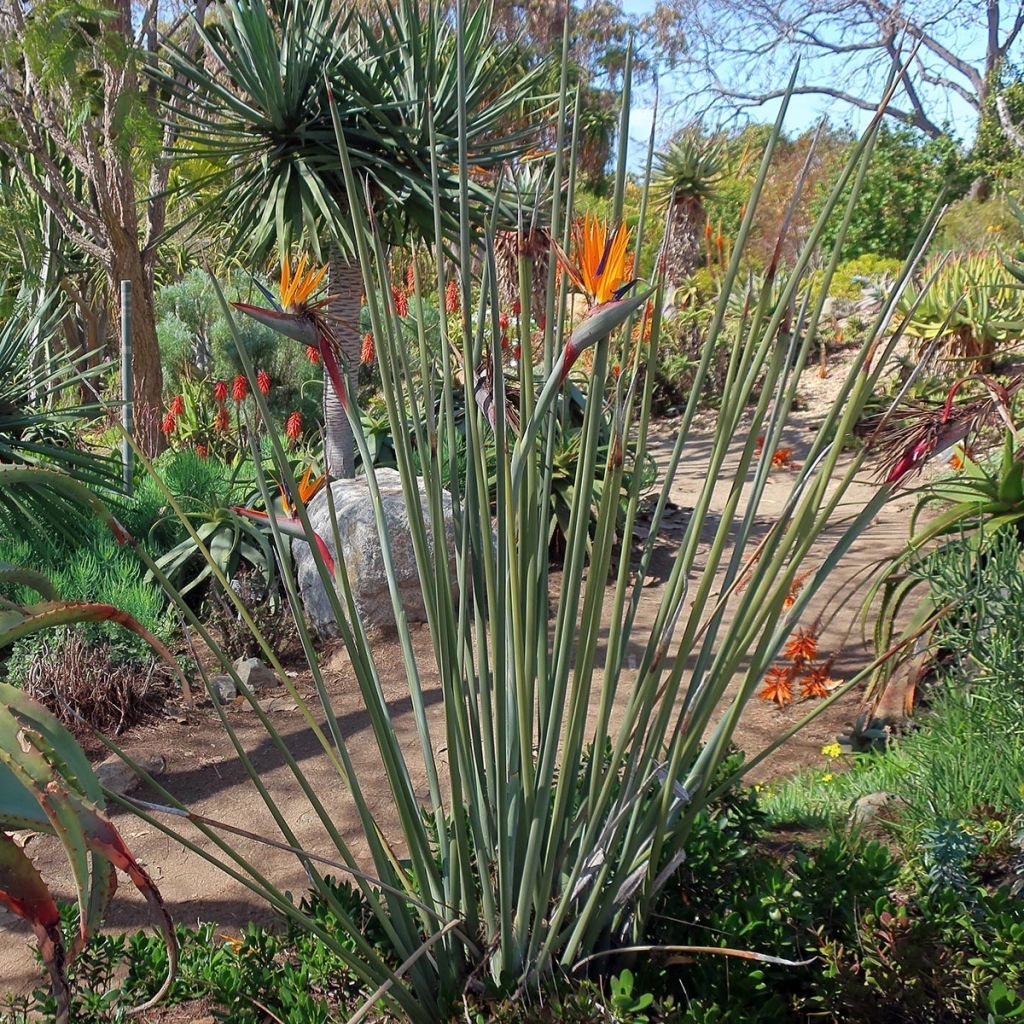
<point x="681" y="248"/>
<point x="345" y="286"/>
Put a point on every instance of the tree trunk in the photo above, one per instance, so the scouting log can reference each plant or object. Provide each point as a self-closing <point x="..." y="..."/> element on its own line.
<point x="345" y="286"/>
<point x="147" y="376"/>
<point x="681" y="251"/>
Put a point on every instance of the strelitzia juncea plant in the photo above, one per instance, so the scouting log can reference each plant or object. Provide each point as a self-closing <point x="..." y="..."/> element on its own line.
<point x="570" y="780"/>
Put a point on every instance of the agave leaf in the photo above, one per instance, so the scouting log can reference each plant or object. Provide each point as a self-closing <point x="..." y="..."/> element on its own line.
<point x="14" y="574"/>
<point x="42" y="762"/>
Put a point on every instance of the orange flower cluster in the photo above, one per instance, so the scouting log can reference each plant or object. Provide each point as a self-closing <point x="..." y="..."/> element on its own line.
<point x="782" y="458"/>
<point x="813" y="679"/>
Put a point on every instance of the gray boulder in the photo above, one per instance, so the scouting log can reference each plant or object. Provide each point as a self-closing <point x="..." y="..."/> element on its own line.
<point x="255" y="675"/>
<point x="362" y="555"/>
<point x="224" y="688"/>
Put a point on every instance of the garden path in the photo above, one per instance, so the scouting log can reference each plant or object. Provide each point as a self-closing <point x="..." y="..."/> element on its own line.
<point x="204" y="772"/>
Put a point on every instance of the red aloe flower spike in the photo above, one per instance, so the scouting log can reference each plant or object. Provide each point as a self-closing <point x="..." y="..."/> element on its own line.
<point x="202" y="451"/>
<point x="177" y="407"/>
<point x="401" y="302"/>
<point x="293" y="426"/>
<point x="263" y="382"/>
<point x="169" y="423"/>
<point x="451" y="297"/>
<point x="313" y="355"/>
<point x="221" y="421"/>
<point x="368" y="353"/>
<point x="240" y="388"/>
<point x="220" y="390"/>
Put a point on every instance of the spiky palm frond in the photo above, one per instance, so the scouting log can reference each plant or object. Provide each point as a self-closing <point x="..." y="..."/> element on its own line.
<point x="263" y="116"/>
<point x="690" y="167"/>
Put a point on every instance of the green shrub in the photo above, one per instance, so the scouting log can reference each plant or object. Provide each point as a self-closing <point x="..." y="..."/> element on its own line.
<point x="852" y="275"/>
<point x="96" y="570"/>
<point x="907" y="173"/>
<point x="968" y="226"/>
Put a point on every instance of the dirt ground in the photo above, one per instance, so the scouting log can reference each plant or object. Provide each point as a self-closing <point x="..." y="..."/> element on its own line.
<point x="203" y="770"/>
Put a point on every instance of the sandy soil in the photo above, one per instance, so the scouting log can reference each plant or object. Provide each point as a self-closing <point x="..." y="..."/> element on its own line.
<point x="203" y="770"/>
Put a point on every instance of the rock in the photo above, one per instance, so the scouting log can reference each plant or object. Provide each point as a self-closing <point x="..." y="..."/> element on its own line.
<point x="255" y="675"/>
<point x="224" y="688"/>
<point x="119" y="777"/>
<point x="867" y="808"/>
<point x="361" y="553"/>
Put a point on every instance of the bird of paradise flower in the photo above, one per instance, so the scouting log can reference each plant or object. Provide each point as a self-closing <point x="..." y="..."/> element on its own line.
<point x="288" y="521"/>
<point x="599" y="272"/>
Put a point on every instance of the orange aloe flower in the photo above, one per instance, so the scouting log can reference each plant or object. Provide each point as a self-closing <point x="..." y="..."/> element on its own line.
<point x="802" y="646"/>
<point x="782" y="458"/>
<point x="794" y="589"/>
<point x="778" y="686"/>
<point x="600" y="267"/>
<point x="816" y="681"/>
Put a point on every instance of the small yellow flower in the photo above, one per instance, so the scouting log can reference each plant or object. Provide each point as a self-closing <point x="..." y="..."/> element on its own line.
<point x="832" y="750"/>
<point x="827" y="777"/>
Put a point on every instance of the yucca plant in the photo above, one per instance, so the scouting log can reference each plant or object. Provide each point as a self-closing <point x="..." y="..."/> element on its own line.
<point x="685" y="176"/>
<point x="256" y="97"/>
<point x="559" y="794"/>
<point x="972" y="308"/>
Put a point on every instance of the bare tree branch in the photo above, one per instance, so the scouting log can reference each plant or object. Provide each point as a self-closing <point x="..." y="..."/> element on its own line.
<point x="743" y="47"/>
<point x="1012" y="132"/>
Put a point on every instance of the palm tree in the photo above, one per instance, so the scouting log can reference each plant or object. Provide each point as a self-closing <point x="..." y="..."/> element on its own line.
<point x="259" y="91"/>
<point x="686" y="175"/>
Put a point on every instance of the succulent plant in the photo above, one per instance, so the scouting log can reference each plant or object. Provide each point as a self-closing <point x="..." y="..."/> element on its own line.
<point x="973" y="307"/>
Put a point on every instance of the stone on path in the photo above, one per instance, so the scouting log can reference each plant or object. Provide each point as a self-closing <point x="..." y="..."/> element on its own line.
<point x="119" y="778"/>
<point x="362" y="556"/>
<point x="255" y="675"/>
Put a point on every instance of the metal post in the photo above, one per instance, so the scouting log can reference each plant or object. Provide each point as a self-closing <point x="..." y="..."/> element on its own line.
<point x="127" y="453"/>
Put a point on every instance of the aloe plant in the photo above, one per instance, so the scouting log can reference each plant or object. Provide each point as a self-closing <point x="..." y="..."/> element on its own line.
<point x="973" y="307"/>
<point x="47" y="785"/>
